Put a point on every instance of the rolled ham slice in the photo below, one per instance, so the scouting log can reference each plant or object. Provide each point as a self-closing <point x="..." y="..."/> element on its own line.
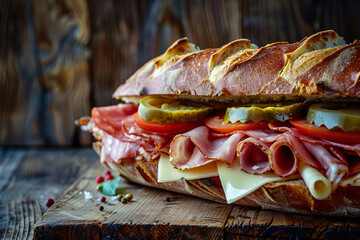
<point x="197" y="148"/>
<point x="253" y="155"/>
<point x="283" y="159"/>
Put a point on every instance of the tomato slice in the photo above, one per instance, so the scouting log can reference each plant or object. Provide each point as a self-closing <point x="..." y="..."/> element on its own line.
<point x="167" y="128"/>
<point x="216" y="123"/>
<point x="322" y="132"/>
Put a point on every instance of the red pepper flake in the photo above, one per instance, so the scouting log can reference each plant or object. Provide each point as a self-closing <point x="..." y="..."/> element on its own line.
<point x="99" y="179"/>
<point x="108" y="172"/>
<point x="49" y="202"/>
<point x="103" y="199"/>
<point x="109" y="177"/>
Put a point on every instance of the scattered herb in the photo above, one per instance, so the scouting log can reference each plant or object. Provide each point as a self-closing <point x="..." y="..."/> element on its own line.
<point x="110" y="187"/>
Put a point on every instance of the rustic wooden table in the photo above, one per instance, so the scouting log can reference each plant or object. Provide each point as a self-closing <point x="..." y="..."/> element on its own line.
<point x="30" y="176"/>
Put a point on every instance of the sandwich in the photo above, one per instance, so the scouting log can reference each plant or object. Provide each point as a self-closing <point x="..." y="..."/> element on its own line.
<point x="275" y="127"/>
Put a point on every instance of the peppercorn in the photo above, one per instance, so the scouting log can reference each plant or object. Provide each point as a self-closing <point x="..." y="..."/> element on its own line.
<point x="49" y="202"/>
<point x="101" y="208"/>
<point x="129" y="197"/>
<point x="99" y="179"/>
<point x="119" y="197"/>
<point x="168" y="199"/>
<point x="109" y="177"/>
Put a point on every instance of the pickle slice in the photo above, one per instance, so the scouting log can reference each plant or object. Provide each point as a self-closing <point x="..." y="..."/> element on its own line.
<point x="265" y="112"/>
<point x="165" y="110"/>
<point x="347" y="118"/>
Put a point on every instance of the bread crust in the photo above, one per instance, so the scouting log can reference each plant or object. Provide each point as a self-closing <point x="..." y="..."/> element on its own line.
<point x="320" y="65"/>
<point x="289" y="196"/>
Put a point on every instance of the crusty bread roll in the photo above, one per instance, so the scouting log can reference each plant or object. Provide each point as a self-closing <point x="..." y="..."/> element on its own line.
<point x="319" y="68"/>
<point x="289" y="196"/>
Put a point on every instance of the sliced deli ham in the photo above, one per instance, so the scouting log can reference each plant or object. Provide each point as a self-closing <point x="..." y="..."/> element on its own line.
<point x="253" y="155"/>
<point x="283" y="159"/>
<point x="122" y="138"/>
<point x="114" y="150"/>
<point x="148" y="140"/>
<point x="336" y="170"/>
<point x="109" y="118"/>
<point x="196" y="148"/>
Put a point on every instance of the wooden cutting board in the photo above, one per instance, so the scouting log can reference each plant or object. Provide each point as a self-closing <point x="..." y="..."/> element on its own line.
<point x="150" y="216"/>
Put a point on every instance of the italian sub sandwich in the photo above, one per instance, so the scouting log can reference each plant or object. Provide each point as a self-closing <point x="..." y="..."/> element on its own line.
<point x="276" y="127"/>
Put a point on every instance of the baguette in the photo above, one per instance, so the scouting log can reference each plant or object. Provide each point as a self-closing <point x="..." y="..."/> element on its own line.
<point x="287" y="196"/>
<point x="308" y="173"/>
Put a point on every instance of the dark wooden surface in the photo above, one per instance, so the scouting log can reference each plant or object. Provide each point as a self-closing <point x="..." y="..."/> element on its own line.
<point x="59" y="58"/>
<point x="30" y="176"/>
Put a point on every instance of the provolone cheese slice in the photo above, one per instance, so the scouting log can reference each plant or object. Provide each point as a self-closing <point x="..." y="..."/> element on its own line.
<point x="167" y="172"/>
<point x="318" y="185"/>
<point x="237" y="183"/>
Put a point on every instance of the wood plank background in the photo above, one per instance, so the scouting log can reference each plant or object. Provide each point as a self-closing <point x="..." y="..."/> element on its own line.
<point x="59" y="58"/>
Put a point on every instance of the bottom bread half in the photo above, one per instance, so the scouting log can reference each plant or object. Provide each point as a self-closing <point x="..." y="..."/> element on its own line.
<point x="289" y="196"/>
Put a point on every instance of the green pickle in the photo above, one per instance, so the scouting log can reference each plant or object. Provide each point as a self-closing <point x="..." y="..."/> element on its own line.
<point x="334" y="116"/>
<point x="264" y="112"/>
<point x="166" y="110"/>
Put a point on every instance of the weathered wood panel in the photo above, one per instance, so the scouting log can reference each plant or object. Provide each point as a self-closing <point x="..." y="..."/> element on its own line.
<point x="44" y="76"/>
<point x="60" y="58"/>
<point x="30" y="176"/>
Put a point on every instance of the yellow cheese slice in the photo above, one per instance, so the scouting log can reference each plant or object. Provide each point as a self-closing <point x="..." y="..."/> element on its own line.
<point x="318" y="185"/>
<point x="168" y="173"/>
<point x="237" y="183"/>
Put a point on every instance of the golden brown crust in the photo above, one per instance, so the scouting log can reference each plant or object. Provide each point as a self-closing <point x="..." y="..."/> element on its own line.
<point x="289" y="196"/>
<point x="320" y="65"/>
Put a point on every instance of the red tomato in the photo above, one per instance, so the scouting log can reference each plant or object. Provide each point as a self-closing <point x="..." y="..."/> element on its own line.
<point x="322" y="132"/>
<point x="164" y="127"/>
<point x="216" y="123"/>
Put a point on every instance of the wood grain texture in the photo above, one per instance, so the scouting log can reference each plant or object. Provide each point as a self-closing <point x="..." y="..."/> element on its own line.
<point x="30" y="176"/>
<point x="44" y="80"/>
<point x="147" y="216"/>
<point x="150" y="216"/>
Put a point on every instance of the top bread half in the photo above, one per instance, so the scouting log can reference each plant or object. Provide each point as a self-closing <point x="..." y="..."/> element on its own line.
<point x="321" y="67"/>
